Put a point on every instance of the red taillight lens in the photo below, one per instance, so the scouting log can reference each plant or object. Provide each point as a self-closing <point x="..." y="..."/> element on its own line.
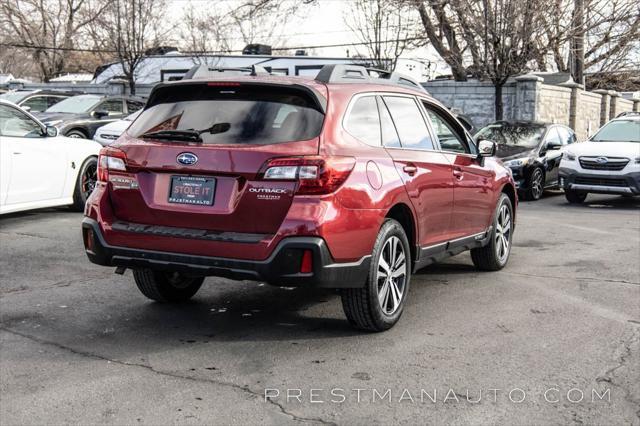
<point x="306" y="266"/>
<point x="110" y="159"/>
<point x="316" y="175"/>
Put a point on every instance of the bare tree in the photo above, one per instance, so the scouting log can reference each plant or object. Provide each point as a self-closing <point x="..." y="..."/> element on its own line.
<point x="386" y="27"/>
<point x="591" y="35"/>
<point x="441" y="25"/>
<point x="504" y="32"/>
<point x="49" y="28"/>
<point x="488" y="39"/>
<point x="130" y="28"/>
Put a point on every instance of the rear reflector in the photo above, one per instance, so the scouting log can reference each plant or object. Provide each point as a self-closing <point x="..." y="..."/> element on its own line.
<point x="306" y="266"/>
<point x="88" y="240"/>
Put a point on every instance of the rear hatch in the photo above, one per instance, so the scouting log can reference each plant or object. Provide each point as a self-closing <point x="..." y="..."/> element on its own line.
<point x="195" y="156"/>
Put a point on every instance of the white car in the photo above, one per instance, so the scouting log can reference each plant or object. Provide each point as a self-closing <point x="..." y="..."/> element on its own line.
<point x="107" y="134"/>
<point x="40" y="169"/>
<point x="608" y="163"/>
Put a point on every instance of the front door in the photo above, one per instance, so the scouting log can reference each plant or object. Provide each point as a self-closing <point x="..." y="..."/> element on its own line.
<point x="37" y="163"/>
<point x="426" y="172"/>
<point x="473" y="191"/>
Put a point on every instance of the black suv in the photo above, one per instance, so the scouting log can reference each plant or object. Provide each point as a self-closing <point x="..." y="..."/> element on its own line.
<point x="37" y="100"/>
<point x="531" y="150"/>
<point x="80" y="116"/>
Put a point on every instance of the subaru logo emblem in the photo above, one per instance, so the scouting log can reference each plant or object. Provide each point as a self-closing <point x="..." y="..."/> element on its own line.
<point x="187" y="158"/>
<point x="602" y="160"/>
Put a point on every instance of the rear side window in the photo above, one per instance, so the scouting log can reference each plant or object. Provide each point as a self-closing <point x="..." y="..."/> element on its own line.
<point x="249" y="114"/>
<point x="363" y="121"/>
<point x="409" y="123"/>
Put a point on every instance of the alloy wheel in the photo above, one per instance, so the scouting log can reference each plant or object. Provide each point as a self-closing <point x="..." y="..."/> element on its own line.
<point x="503" y="233"/>
<point x="536" y="184"/>
<point x="391" y="275"/>
<point x="89" y="179"/>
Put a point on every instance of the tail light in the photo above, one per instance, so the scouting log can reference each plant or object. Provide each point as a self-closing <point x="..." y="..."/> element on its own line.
<point x="316" y="175"/>
<point x="110" y="159"/>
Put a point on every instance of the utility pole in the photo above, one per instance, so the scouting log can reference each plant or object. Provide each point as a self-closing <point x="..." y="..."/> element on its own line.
<point x="577" y="42"/>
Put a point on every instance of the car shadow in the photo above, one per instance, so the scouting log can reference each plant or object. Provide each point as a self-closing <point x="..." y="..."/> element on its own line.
<point x="595" y="201"/>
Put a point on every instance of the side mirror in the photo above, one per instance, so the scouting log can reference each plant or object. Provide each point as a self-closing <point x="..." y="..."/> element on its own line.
<point x="553" y="145"/>
<point x="100" y="113"/>
<point x="52" y="132"/>
<point x="486" y="148"/>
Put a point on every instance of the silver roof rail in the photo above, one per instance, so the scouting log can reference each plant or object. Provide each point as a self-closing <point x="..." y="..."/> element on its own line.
<point x="203" y="71"/>
<point x="341" y="73"/>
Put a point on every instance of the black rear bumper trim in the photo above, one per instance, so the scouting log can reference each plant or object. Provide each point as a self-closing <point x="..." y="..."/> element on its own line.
<point x="280" y="269"/>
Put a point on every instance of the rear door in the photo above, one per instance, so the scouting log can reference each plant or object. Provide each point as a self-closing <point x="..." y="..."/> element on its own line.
<point x="473" y="191"/>
<point x="251" y="124"/>
<point x="426" y="172"/>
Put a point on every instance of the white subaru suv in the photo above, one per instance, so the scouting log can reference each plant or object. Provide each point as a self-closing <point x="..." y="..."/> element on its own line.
<point x="608" y="163"/>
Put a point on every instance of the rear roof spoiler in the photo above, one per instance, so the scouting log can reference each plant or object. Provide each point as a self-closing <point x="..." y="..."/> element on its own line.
<point x="340" y="73"/>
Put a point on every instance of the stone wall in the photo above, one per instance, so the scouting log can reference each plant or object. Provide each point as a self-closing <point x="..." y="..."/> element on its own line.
<point x="587" y="114"/>
<point x="554" y="104"/>
<point x="528" y="97"/>
<point x="474" y="98"/>
<point x="624" y="105"/>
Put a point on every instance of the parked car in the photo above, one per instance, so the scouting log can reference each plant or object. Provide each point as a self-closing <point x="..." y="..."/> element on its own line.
<point x="39" y="100"/>
<point x="531" y="150"/>
<point x="346" y="181"/>
<point x="38" y="168"/>
<point x="107" y="134"/>
<point x="608" y="163"/>
<point x="80" y="116"/>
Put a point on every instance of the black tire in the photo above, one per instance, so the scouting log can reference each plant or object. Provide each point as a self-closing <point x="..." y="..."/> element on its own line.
<point x="76" y="133"/>
<point x="166" y="287"/>
<point x="85" y="183"/>
<point x="535" y="184"/>
<point x="490" y="257"/>
<point x="362" y="306"/>
<point x="574" y="197"/>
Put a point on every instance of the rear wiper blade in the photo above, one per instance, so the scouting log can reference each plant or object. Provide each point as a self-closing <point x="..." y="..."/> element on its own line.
<point x="188" y="135"/>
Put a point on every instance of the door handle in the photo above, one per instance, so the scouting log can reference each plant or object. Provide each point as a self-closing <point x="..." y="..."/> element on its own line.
<point x="410" y="169"/>
<point x="458" y="173"/>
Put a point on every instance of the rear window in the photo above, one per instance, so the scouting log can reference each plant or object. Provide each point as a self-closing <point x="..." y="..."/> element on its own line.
<point x="247" y="114"/>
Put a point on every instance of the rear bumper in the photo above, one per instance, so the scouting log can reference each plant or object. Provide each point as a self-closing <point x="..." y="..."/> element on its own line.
<point x="576" y="180"/>
<point x="280" y="269"/>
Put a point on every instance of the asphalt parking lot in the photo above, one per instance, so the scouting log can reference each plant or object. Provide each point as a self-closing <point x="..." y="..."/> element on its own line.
<point x="81" y="344"/>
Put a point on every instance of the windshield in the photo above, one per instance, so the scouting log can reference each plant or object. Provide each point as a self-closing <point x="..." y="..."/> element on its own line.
<point x="619" y="131"/>
<point x="512" y="134"/>
<point x="75" y="104"/>
<point x="231" y="114"/>
<point x="14" y="97"/>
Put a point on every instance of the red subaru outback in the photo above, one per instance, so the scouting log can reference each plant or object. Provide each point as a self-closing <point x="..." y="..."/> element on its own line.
<point x="347" y="181"/>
